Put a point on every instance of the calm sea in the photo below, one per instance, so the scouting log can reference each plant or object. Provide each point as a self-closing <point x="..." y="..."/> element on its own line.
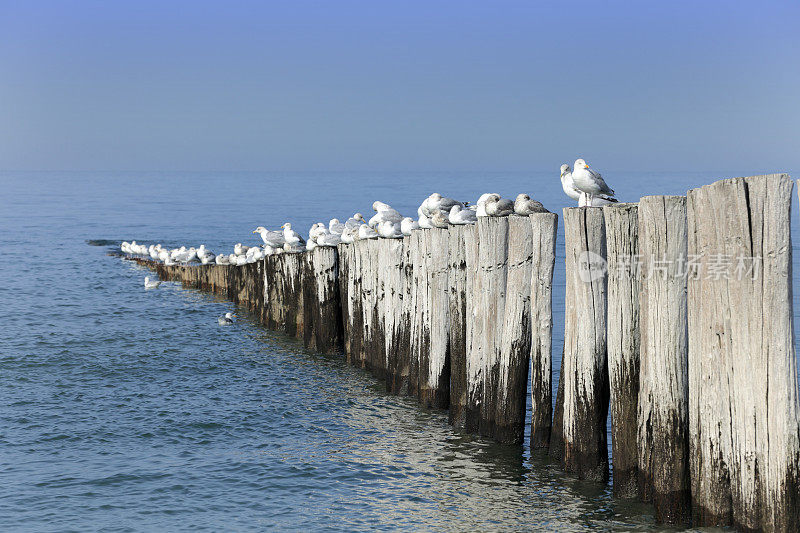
<point x="126" y="410"/>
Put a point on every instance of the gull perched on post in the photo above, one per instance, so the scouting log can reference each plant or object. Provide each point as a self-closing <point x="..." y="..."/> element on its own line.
<point x="590" y="182"/>
<point x="573" y="192"/>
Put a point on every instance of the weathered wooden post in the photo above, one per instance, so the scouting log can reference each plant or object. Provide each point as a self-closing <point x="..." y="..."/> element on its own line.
<point x="622" y="247"/>
<point x="490" y="295"/>
<point x="474" y="362"/>
<point x="419" y="337"/>
<point x="434" y="368"/>
<point x="322" y="307"/>
<point x="390" y="265"/>
<point x="403" y="374"/>
<point x="663" y="381"/>
<point x="292" y="302"/>
<point x="744" y="425"/>
<point x="585" y="371"/>
<point x="514" y="346"/>
<point x="352" y="301"/>
<point x="543" y="238"/>
<point x="374" y="347"/>
<point x="457" y="277"/>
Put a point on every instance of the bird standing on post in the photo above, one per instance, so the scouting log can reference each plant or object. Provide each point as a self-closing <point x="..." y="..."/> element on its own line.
<point x="590" y="182"/>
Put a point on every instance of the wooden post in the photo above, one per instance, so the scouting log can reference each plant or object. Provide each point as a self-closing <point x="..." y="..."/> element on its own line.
<point x="390" y="266"/>
<point x="543" y="237"/>
<point x="292" y="301"/>
<point x="490" y="296"/>
<point x="352" y="302"/>
<point x="419" y="337"/>
<point x="743" y="404"/>
<point x="322" y="307"/>
<point x="434" y="366"/>
<point x="403" y="379"/>
<point x="458" y="325"/>
<point x="663" y="380"/>
<point x="514" y="346"/>
<point x="474" y="357"/>
<point x="622" y="244"/>
<point x="585" y="372"/>
<point x="374" y="347"/>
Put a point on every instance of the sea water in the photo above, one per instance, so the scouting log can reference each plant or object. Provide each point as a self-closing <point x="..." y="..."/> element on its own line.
<point x="130" y="410"/>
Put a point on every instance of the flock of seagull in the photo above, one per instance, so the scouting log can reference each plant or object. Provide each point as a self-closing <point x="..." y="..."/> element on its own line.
<point x="436" y="211"/>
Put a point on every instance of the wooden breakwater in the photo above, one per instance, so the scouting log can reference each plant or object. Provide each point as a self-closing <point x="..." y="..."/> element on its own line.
<point x="695" y="362"/>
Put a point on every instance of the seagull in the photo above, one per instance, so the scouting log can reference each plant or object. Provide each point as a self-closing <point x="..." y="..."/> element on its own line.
<point x="349" y="235"/>
<point x="408" y="225"/>
<point x="270" y="238"/>
<point x="355" y="221"/>
<point x="365" y="232"/>
<point x="151" y="284"/>
<point x="436" y="202"/>
<point x="461" y="217"/>
<point x="439" y="219"/>
<point x="389" y="230"/>
<point x="424" y="221"/>
<point x="226" y="320"/>
<point x="588" y="181"/>
<point x="525" y="206"/>
<point x="328" y="239"/>
<point x="481" y="212"/>
<point x="570" y="190"/>
<point x="291" y="236"/>
<point x="384" y="213"/>
<point x="498" y="207"/>
<point x="294" y="247"/>
<point x="334" y="226"/>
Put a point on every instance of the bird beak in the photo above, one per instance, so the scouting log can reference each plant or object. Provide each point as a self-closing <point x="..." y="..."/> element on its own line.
<point x="255" y="231"/>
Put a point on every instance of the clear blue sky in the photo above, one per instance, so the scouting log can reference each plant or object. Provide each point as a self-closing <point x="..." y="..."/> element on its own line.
<point x="399" y="85"/>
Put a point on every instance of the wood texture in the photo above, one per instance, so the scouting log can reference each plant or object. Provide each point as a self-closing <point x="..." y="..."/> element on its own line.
<point x="434" y="369"/>
<point x="457" y="281"/>
<point x="585" y="372"/>
<point x="743" y="404"/>
<point x="622" y="248"/>
<point x="663" y="380"/>
<point x="544" y="227"/>
<point x="514" y="342"/>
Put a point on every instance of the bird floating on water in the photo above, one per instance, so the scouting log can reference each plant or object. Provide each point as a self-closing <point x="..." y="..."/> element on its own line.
<point x="226" y="319"/>
<point x="151" y="284"/>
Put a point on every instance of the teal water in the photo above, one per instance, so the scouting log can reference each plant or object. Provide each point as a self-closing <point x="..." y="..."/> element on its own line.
<point x="126" y="410"/>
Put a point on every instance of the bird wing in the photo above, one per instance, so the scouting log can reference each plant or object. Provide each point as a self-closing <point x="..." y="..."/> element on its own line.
<point x="604" y="188"/>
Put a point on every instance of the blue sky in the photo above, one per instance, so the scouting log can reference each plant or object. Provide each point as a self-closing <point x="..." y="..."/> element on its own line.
<point x="384" y="85"/>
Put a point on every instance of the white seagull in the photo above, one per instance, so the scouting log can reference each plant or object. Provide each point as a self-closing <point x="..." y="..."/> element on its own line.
<point x="226" y="320"/>
<point x="151" y="284"/>
<point x="589" y="181"/>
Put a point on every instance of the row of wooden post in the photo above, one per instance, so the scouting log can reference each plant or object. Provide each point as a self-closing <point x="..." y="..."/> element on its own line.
<point x="679" y="314"/>
<point x="697" y="366"/>
<point x="452" y="316"/>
